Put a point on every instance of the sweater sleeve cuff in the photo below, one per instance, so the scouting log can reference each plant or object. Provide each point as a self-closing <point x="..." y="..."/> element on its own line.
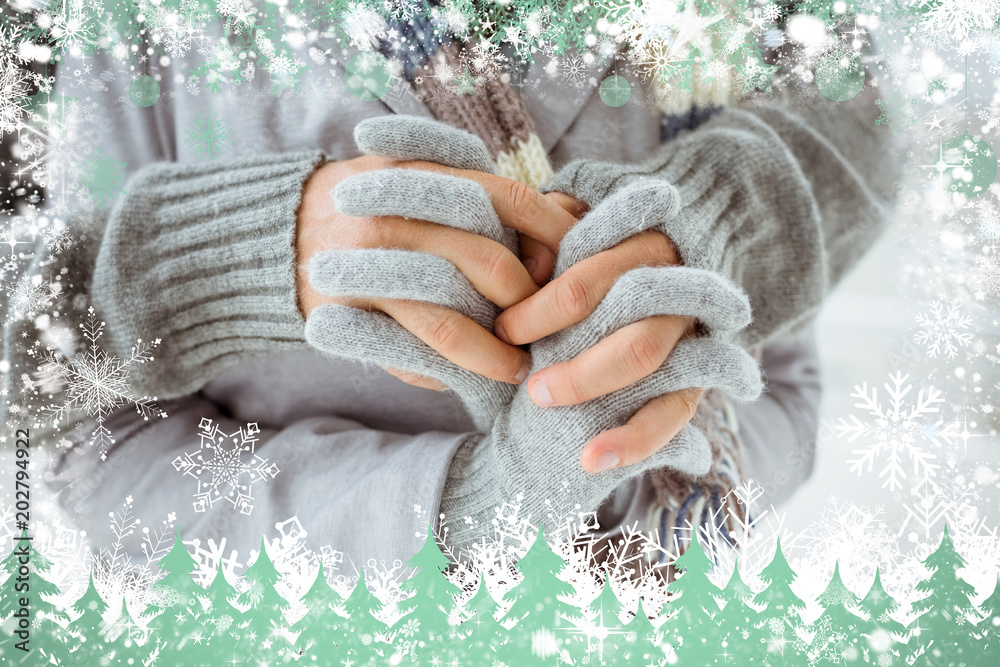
<point x="203" y="259"/>
<point x="746" y="211"/>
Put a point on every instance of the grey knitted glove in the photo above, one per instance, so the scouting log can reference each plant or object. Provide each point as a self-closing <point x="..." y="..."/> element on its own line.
<point x="534" y="451"/>
<point x="741" y="210"/>
<point x="525" y="449"/>
<point x="401" y="274"/>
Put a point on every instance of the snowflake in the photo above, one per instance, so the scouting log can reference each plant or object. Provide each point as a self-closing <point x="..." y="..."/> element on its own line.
<point x="574" y="71"/>
<point x="14" y="92"/>
<point x="208" y="136"/>
<point x="989" y="226"/>
<point x="29" y="297"/>
<point x="990" y="120"/>
<point x="771" y="12"/>
<point x="96" y="382"/>
<point x="282" y="66"/>
<point x="364" y="25"/>
<point x="177" y="44"/>
<point x="897" y="113"/>
<point x="959" y="19"/>
<point x="896" y="431"/>
<point x="56" y="240"/>
<point x="409" y="628"/>
<point x="776" y="626"/>
<point x="940" y="330"/>
<point x="885" y="660"/>
<point x="217" y="466"/>
<point x="72" y="31"/>
<point x="366" y="639"/>
<point x="103" y="178"/>
<point x="986" y="277"/>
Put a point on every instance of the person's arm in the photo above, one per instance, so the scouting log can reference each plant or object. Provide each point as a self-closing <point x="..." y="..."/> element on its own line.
<point x="782" y="193"/>
<point x="200" y="257"/>
<point x="364" y="492"/>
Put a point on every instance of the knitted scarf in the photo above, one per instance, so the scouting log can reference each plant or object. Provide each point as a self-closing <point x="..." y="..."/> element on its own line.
<point x="484" y="105"/>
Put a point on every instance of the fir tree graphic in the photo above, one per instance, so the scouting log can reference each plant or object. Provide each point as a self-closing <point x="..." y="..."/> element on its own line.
<point x="49" y="636"/>
<point x="318" y="628"/>
<point x="88" y="628"/>
<point x="177" y="598"/>
<point x="127" y="639"/>
<point x="359" y="630"/>
<point x="433" y="598"/>
<point x="536" y="604"/>
<point x="691" y="627"/>
<point x="484" y="633"/>
<point x="738" y="621"/>
<point x="941" y="632"/>
<point x="781" y="607"/>
<point x="842" y="639"/>
<point x="221" y="620"/>
<point x="265" y="618"/>
<point x="880" y="629"/>
<point x="644" y="637"/>
<point x="989" y="626"/>
<point x="604" y="614"/>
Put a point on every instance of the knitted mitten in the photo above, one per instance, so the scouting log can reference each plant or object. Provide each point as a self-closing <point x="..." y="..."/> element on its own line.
<point x="402" y="274"/>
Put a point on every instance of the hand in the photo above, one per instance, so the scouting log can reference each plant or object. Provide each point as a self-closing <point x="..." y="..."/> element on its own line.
<point x="495" y="271"/>
<point x="619" y="360"/>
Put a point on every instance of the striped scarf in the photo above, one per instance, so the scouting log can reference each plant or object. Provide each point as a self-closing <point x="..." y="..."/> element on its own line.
<point x="481" y="103"/>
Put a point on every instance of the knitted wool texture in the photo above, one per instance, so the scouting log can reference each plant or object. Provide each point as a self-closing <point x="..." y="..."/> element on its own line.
<point x="527" y="450"/>
<point x="494" y="113"/>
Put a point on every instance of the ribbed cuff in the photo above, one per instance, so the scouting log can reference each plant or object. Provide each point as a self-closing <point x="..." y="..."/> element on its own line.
<point x="203" y="258"/>
<point x="746" y="211"/>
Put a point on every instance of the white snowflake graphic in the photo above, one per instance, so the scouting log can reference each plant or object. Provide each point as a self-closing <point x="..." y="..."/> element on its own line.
<point x="986" y="278"/>
<point x="29" y="296"/>
<point x="15" y="90"/>
<point x="897" y="431"/>
<point x="96" y="382"/>
<point x="941" y="330"/>
<point x="220" y="468"/>
<point x="207" y="137"/>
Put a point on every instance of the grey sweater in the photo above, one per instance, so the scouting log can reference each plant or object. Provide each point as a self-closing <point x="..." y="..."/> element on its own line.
<point x="365" y="460"/>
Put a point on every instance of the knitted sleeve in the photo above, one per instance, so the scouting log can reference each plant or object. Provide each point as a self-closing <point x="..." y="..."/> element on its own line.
<point x="781" y="193"/>
<point x="196" y="261"/>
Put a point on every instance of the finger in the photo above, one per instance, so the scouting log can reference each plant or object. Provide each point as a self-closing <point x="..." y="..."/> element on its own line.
<point x="405" y="137"/>
<point x="370" y="336"/>
<point x="538" y="260"/>
<point x="518" y="206"/>
<point x="573" y="205"/>
<point x="624" y="357"/>
<point x="630" y="211"/>
<point x="653" y="426"/>
<point x="416" y="379"/>
<point x="575" y="294"/>
<point x="398" y="274"/>
<point x="422" y="194"/>
<point x="459" y="339"/>
<point x="492" y="268"/>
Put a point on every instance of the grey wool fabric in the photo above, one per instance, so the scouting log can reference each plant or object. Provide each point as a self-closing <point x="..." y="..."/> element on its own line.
<point x="337" y="430"/>
<point x="524" y="448"/>
<point x="194" y="257"/>
<point x="749" y="208"/>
